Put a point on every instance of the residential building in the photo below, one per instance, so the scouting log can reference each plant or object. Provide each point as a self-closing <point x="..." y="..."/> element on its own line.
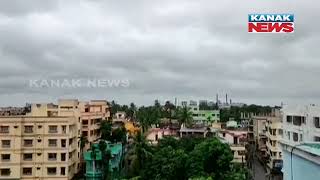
<point x="92" y="114"/>
<point x="94" y="160"/>
<point x="237" y="140"/>
<point x="301" y="161"/>
<point x="260" y="136"/>
<point x="155" y="134"/>
<point x="44" y="143"/>
<point x="274" y="135"/>
<point x="300" y="141"/>
<point x="301" y="124"/>
<point x="196" y="131"/>
<point x="38" y="147"/>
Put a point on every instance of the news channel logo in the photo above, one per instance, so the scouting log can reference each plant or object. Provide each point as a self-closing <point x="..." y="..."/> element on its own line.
<point x="270" y="23"/>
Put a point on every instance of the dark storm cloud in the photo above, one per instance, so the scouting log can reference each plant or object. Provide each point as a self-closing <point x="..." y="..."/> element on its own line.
<point x="167" y="49"/>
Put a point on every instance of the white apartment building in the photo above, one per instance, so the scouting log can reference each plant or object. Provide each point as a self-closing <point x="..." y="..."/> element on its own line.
<point x="301" y="124"/>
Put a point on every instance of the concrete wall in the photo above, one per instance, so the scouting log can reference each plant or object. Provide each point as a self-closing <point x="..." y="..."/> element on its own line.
<point x="302" y="169"/>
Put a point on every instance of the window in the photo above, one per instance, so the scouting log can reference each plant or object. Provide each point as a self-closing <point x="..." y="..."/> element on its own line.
<point x="28" y="129"/>
<point x="52" y="143"/>
<point x="5" y="172"/>
<point x="27" y="143"/>
<point x="27" y="171"/>
<point x="5" y="157"/>
<point x="289" y="119"/>
<point x="52" y="171"/>
<point x="64" y="129"/>
<point x="317" y="139"/>
<point x="288" y="133"/>
<point x="53" y="129"/>
<point x="241" y="153"/>
<point x="297" y="120"/>
<point x="27" y="157"/>
<point x="301" y="137"/>
<point x="63" y="171"/>
<point x="63" y="156"/>
<point x="316" y="122"/>
<point x="4" y="129"/>
<point x="52" y="156"/>
<point x="295" y="137"/>
<point x="70" y="141"/>
<point x="63" y="143"/>
<point x="5" y="143"/>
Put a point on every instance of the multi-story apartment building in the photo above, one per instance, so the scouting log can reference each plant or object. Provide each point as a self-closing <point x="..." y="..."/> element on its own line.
<point x="259" y="134"/>
<point x="300" y="142"/>
<point x="301" y="124"/>
<point x="38" y="147"/>
<point x="92" y="114"/>
<point x="44" y="144"/>
<point x="274" y="135"/>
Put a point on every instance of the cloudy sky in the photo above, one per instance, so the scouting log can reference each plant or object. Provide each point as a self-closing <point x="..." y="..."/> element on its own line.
<point x="165" y="49"/>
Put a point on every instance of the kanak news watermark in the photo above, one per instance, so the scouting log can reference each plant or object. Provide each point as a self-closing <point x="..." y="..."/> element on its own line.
<point x="79" y="83"/>
<point x="270" y="23"/>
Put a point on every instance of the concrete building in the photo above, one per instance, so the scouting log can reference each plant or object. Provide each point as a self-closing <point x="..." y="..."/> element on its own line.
<point x="92" y="114"/>
<point x="155" y="134"/>
<point x="44" y="144"/>
<point x="37" y="147"/>
<point x="301" y="124"/>
<point x="260" y="138"/>
<point x="274" y="135"/>
<point x="237" y="140"/>
<point x="301" y="161"/>
<point x="300" y="141"/>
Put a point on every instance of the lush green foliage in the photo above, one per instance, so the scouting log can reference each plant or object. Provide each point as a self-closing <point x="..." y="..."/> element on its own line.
<point x="184" y="116"/>
<point x="187" y="158"/>
<point x="235" y="112"/>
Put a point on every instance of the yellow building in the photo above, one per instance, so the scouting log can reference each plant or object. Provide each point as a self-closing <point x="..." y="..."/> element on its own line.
<point x="44" y="144"/>
<point x="38" y="147"/>
<point x="274" y="136"/>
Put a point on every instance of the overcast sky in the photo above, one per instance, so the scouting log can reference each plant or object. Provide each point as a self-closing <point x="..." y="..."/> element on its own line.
<point x="189" y="49"/>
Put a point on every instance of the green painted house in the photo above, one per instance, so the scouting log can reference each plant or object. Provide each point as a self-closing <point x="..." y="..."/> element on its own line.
<point x="205" y="116"/>
<point x="94" y="161"/>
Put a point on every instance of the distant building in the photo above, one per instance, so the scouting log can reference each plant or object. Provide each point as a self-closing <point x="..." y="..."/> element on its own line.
<point x="237" y="139"/>
<point x="274" y="134"/>
<point x="155" y="134"/>
<point x="197" y="132"/>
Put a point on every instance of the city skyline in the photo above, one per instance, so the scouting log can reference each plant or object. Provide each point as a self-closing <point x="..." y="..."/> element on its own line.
<point x="182" y="49"/>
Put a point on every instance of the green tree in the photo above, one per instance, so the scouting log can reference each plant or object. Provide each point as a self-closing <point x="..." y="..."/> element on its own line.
<point x="167" y="163"/>
<point x="106" y="130"/>
<point x="185" y="116"/>
<point x="210" y="158"/>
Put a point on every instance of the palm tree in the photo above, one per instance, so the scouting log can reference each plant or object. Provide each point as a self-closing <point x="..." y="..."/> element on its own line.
<point x="106" y="129"/>
<point x="83" y="141"/>
<point x="137" y="155"/>
<point x="106" y="155"/>
<point x="185" y="116"/>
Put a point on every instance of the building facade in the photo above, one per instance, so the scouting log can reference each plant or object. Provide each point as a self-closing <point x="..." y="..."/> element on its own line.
<point x="44" y="144"/>
<point x="37" y="147"/>
<point x="237" y="140"/>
